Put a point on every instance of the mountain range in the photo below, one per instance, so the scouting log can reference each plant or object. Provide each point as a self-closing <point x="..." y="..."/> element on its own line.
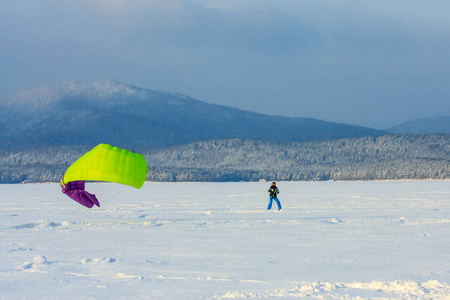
<point x="44" y="130"/>
<point x="87" y="113"/>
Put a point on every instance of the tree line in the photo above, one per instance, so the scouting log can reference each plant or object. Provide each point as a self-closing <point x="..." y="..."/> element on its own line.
<point x="389" y="157"/>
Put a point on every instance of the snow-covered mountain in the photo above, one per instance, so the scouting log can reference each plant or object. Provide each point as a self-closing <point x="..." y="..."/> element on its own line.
<point x="87" y="113"/>
<point x="439" y="124"/>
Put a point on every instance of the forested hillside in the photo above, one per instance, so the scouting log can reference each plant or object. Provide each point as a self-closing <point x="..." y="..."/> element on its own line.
<point x="368" y="158"/>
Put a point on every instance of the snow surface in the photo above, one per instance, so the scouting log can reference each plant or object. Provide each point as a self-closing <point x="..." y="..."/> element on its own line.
<point x="333" y="240"/>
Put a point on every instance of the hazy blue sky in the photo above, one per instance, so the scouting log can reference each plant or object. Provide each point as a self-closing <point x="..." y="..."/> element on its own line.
<point x="374" y="63"/>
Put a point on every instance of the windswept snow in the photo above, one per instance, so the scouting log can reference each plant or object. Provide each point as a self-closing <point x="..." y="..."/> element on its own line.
<point x="333" y="240"/>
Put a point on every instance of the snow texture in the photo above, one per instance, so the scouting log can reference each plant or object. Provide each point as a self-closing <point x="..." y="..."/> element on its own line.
<point x="333" y="240"/>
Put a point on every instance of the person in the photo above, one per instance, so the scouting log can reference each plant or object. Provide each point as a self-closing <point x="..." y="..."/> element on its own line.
<point x="273" y="192"/>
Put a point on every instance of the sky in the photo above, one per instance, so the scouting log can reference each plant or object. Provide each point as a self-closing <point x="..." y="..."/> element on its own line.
<point x="370" y="63"/>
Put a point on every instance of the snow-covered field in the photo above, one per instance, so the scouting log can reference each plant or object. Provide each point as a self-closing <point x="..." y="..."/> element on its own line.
<point x="333" y="240"/>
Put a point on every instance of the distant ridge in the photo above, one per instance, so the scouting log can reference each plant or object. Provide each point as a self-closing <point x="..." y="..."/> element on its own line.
<point x="439" y="124"/>
<point x="87" y="113"/>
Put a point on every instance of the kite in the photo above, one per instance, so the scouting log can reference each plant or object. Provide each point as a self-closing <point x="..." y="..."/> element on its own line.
<point x="103" y="163"/>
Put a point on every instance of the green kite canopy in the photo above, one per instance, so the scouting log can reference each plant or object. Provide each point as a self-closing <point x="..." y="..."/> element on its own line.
<point x="103" y="163"/>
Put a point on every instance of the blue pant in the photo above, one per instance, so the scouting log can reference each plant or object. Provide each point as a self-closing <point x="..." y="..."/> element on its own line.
<point x="276" y="200"/>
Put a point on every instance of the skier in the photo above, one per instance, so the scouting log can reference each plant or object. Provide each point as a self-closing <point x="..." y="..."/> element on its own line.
<point x="273" y="191"/>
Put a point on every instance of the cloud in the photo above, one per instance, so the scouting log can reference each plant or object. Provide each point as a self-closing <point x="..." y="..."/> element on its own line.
<point x="255" y="26"/>
<point x="346" y="60"/>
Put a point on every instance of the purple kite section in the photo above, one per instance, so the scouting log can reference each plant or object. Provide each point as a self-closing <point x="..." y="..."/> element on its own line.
<point x="75" y="190"/>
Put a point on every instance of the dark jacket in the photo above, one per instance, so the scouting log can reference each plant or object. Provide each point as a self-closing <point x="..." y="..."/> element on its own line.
<point x="273" y="190"/>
